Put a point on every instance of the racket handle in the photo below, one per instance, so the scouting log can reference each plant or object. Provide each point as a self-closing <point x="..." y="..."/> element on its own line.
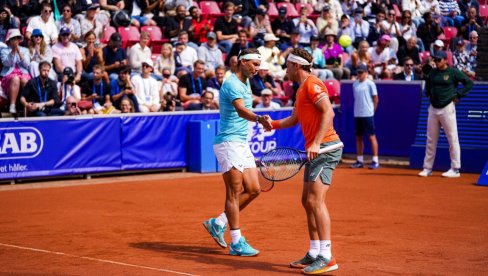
<point x="331" y="147"/>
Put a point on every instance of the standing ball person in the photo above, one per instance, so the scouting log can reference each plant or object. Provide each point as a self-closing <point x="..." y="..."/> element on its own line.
<point x="314" y="112"/>
<point x="234" y="155"/>
<point x="441" y="88"/>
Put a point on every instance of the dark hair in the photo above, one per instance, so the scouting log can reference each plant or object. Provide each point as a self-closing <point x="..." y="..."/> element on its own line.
<point x="192" y="8"/>
<point x="426" y="15"/>
<point x="229" y="4"/>
<point x="244" y="31"/>
<point x="125" y="69"/>
<point x="88" y="34"/>
<point x="43" y="63"/>
<point x="303" y="54"/>
<point x="407" y="59"/>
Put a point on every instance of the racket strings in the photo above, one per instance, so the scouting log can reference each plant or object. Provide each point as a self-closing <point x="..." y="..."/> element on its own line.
<point x="281" y="164"/>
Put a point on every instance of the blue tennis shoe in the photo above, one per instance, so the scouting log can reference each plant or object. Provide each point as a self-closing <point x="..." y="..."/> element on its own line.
<point x="242" y="248"/>
<point x="216" y="231"/>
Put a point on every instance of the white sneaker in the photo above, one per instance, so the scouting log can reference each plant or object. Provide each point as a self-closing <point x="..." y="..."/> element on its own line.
<point x="12" y="109"/>
<point x="452" y="173"/>
<point x="425" y="173"/>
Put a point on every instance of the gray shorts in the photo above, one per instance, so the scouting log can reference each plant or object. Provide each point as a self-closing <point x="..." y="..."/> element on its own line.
<point x="323" y="165"/>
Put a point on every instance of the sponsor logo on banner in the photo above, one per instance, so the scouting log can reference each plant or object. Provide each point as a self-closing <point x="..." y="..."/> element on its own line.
<point x="260" y="141"/>
<point x="20" y="142"/>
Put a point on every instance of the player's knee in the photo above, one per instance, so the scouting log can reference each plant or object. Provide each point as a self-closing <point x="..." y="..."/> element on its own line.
<point x="310" y="203"/>
<point x="254" y="192"/>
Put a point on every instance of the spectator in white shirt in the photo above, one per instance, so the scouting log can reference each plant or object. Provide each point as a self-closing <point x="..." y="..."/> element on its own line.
<point x="45" y="23"/>
<point x="139" y="53"/>
<point x="147" y="89"/>
<point x="267" y="100"/>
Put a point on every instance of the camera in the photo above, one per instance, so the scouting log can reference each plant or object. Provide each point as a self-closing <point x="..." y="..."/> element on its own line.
<point x="73" y="104"/>
<point x="71" y="79"/>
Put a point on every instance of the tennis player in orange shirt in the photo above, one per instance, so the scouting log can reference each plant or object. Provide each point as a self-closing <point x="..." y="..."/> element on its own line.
<point x="315" y="114"/>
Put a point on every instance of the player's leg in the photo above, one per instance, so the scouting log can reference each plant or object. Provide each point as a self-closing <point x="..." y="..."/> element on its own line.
<point x="433" y="129"/>
<point x="370" y="130"/>
<point x="449" y="123"/>
<point x="251" y="187"/>
<point x="321" y="170"/>
<point x="359" y="127"/>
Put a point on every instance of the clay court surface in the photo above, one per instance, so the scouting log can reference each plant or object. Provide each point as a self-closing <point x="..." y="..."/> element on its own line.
<point x="385" y="222"/>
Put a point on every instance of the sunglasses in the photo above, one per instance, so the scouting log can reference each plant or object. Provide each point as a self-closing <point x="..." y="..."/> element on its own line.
<point x="408" y="65"/>
<point x="66" y="10"/>
<point x="64" y="34"/>
<point x="145" y="65"/>
<point x="48" y="11"/>
<point x="437" y="59"/>
<point x="36" y="36"/>
<point x="391" y="14"/>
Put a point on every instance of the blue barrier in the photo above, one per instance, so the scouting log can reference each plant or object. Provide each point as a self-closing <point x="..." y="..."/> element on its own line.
<point x="472" y="122"/>
<point x="395" y="119"/>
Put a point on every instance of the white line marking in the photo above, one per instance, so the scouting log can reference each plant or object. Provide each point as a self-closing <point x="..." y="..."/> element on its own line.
<point x="94" y="259"/>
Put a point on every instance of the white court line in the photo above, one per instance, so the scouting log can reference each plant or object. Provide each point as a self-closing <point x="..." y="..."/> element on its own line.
<point x="94" y="259"/>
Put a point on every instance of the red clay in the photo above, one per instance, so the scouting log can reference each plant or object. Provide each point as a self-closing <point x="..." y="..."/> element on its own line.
<point x="387" y="221"/>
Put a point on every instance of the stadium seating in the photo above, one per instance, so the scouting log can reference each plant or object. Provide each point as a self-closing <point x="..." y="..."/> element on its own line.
<point x="107" y="32"/>
<point x="210" y="8"/>
<point x="288" y="88"/>
<point x="310" y="13"/>
<point x="334" y="90"/>
<point x="424" y="56"/>
<point x="484" y="12"/>
<point x="290" y="9"/>
<point x="449" y="34"/>
<point x="156" y="36"/>
<point x="398" y="13"/>
<point x="130" y="35"/>
<point x="272" y="10"/>
<point x="449" y="58"/>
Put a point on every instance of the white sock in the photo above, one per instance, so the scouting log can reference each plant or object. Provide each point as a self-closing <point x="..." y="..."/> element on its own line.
<point x="360" y="158"/>
<point x="325" y="249"/>
<point x="314" y="248"/>
<point x="221" y="220"/>
<point x="375" y="159"/>
<point x="236" y="235"/>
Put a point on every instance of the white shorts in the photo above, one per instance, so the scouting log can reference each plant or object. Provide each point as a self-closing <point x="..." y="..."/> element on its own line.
<point x="234" y="154"/>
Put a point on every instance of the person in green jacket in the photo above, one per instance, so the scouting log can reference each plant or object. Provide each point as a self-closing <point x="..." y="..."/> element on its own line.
<point x="441" y="88"/>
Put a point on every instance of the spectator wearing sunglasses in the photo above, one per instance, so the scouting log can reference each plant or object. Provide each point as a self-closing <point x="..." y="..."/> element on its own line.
<point x="408" y="73"/>
<point x="67" y="20"/>
<point x="45" y="23"/>
<point x="67" y="54"/>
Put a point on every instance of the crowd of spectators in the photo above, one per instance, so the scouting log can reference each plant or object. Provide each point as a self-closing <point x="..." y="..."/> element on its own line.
<point x="58" y="58"/>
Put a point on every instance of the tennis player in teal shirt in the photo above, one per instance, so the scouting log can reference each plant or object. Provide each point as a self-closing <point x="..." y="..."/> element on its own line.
<point x="234" y="155"/>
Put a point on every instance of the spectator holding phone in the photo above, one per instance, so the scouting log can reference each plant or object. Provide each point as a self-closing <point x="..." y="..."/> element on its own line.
<point x="67" y="88"/>
<point x="122" y="88"/>
<point x="98" y="92"/>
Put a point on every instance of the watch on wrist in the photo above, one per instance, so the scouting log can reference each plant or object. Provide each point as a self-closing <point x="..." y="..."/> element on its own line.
<point x="258" y="118"/>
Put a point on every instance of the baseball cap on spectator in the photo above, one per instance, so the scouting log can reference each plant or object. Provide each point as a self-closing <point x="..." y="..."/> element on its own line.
<point x="211" y="35"/>
<point x="264" y="66"/>
<point x="330" y="32"/>
<point x="13" y="33"/>
<point x="266" y="91"/>
<point x="282" y="10"/>
<point x="473" y="34"/>
<point x="440" y="54"/>
<point x="148" y="62"/>
<point x="64" y="31"/>
<point x="295" y="31"/>
<point x="362" y="68"/>
<point x="358" y="11"/>
<point x="115" y="37"/>
<point x="37" y="32"/>
<point x="261" y="12"/>
<point x="314" y="38"/>
<point x="326" y="8"/>
<point x="439" y="43"/>
<point x="385" y="38"/>
<point x="460" y="42"/>
<point x="93" y="7"/>
<point x="68" y="71"/>
<point x="270" y="37"/>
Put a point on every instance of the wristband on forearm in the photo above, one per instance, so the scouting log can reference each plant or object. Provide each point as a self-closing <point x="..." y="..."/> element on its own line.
<point x="275" y="124"/>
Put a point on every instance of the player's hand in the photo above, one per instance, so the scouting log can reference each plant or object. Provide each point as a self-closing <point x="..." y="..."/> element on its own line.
<point x="266" y="122"/>
<point x="313" y="151"/>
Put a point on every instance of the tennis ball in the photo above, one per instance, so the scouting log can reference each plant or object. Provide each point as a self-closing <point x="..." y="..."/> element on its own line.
<point x="345" y="41"/>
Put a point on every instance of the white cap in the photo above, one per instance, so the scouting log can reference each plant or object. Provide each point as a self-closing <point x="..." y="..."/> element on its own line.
<point x="270" y="37"/>
<point x="266" y="91"/>
<point x="264" y="66"/>
<point x="149" y="62"/>
<point x="439" y="43"/>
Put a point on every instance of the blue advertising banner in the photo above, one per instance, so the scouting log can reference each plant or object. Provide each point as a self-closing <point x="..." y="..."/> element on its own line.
<point x="395" y="119"/>
<point x="59" y="147"/>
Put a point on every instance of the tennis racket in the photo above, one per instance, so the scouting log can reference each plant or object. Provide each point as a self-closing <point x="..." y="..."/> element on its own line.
<point x="283" y="163"/>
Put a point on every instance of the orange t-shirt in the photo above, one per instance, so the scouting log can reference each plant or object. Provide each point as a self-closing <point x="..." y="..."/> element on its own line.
<point x="308" y="115"/>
